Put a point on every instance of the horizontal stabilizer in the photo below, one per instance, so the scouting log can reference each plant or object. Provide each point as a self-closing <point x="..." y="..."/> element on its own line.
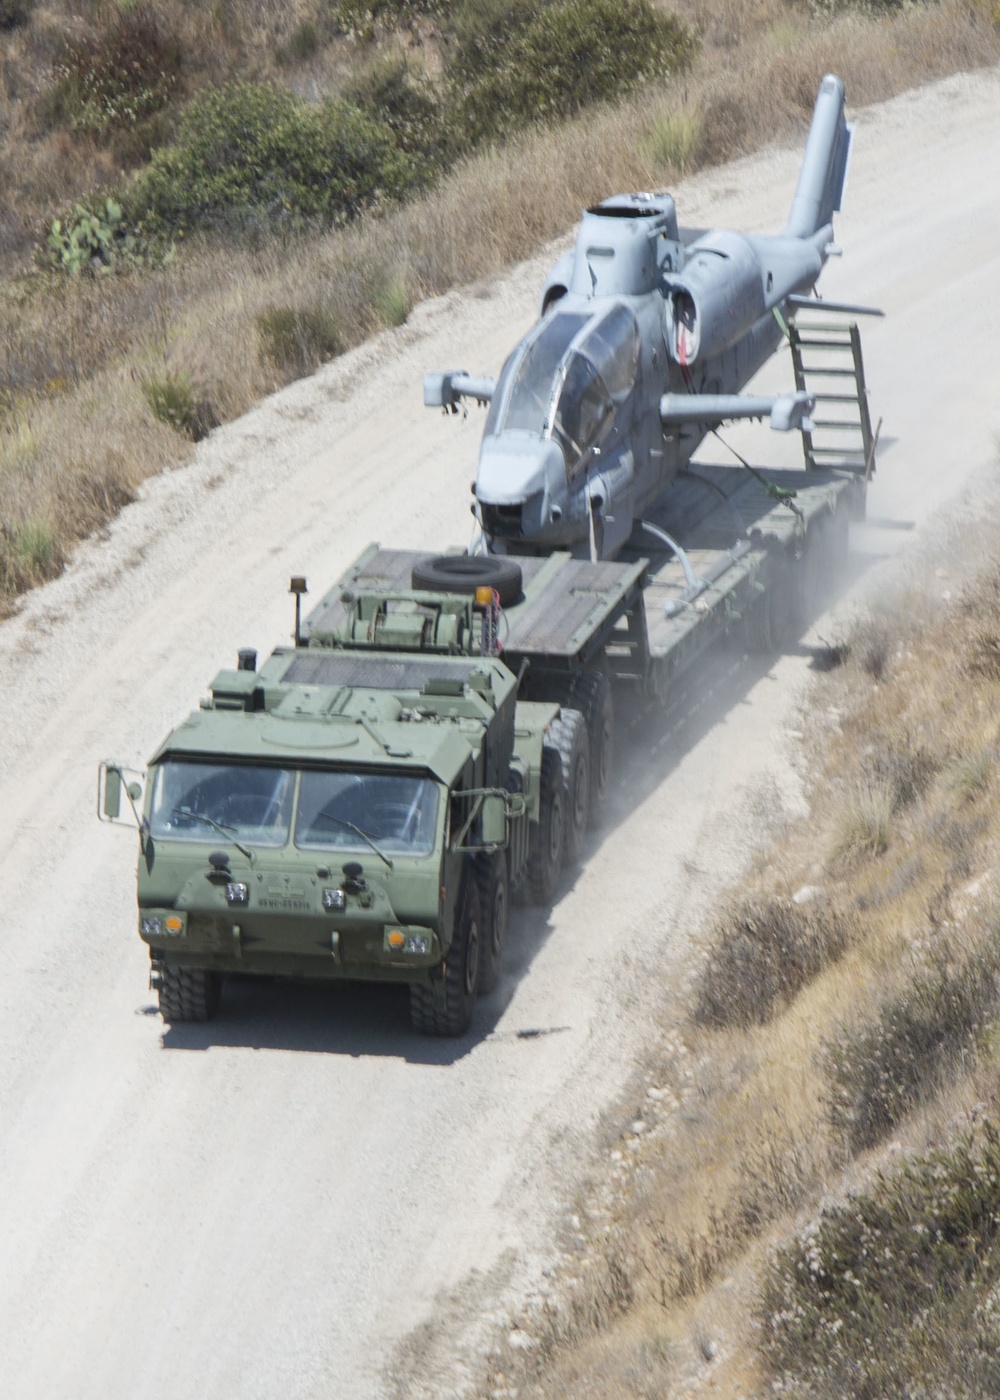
<point x="786" y="411"/>
<point x="445" y="390"/>
<point x="842" y="308"/>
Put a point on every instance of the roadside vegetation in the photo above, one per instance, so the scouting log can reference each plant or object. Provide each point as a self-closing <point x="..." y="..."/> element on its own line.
<point x="802" y="1196"/>
<point x="199" y="204"/>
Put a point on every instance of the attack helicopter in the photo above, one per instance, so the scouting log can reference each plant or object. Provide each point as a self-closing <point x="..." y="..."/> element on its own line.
<point x="646" y="334"/>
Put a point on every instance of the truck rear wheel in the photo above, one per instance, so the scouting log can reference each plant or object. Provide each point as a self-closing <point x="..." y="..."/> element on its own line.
<point x="569" y="734"/>
<point x="494" y="902"/>
<point x="545" y="854"/>
<point x="590" y="693"/>
<point x="186" y="993"/>
<point x="445" y="1008"/>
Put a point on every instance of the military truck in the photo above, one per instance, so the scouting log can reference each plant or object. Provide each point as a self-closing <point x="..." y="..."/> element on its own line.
<point x="439" y="736"/>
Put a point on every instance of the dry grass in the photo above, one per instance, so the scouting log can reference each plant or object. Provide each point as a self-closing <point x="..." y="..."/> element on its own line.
<point x="738" y="1128"/>
<point x="77" y="432"/>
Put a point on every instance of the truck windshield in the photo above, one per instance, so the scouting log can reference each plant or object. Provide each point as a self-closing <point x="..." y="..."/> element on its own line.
<point x="201" y="801"/>
<point x="396" y="811"/>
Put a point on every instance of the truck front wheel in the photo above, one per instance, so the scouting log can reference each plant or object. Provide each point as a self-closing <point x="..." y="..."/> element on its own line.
<point x="494" y="900"/>
<point x="185" y="993"/>
<point x="545" y="855"/>
<point x="445" y="1007"/>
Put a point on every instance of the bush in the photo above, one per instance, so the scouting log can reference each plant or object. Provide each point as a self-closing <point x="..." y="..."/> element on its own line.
<point x="174" y="400"/>
<point x="299" y="339"/>
<point x="248" y="155"/>
<point x="881" y="1070"/>
<point x="409" y="107"/>
<point x="895" y="1291"/>
<point x="13" y="13"/>
<point x="675" y="142"/>
<point x="862" y="822"/>
<point x="366" y="18"/>
<point x="120" y="76"/>
<point x="762" y="954"/>
<point x="513" y="64"/>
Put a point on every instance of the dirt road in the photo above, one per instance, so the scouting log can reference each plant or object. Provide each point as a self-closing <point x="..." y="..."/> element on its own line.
<point x="267" y="1206"/>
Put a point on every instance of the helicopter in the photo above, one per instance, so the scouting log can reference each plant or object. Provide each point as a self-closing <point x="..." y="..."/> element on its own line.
<point x="646" y="334"/>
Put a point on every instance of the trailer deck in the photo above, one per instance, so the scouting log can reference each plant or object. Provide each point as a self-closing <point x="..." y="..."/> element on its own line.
<point x="649" y="613"/>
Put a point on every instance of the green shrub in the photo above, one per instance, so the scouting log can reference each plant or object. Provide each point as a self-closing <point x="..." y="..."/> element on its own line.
<point x="862" y="822"/>
<point x="675" y="142"/>
<point x="119" y="76"/>
<point x="762" y="953"/>
<point x="879" y="1071"/>
<point x="512" y="64"/>
<point x="174" y="400"/>
<point x="388" y="92"/>
<point x="299" y="339"/>
<point x="392" y="301"/>
<point x="13" y="13"/>
<point x="969" y="775"/>
<point x="248" y="155"/>
<point x="365" y="18"/>
<point x="895" y="1291"/>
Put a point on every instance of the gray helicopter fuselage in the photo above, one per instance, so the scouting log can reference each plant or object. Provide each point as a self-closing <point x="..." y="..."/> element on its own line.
<point x="645" y="338"/>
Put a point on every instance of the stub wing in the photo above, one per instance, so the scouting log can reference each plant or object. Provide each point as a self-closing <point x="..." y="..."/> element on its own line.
<point x="787" y="412"/>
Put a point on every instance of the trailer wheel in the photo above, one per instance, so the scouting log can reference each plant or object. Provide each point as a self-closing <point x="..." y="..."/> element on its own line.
<point x="446" y="1008"/>
<point x="545" y="854"/>
<point x="569" y="734"/>
<point x="186" y="993"/>
<point x="464" y="573"/>
<point x="770" y="620"/>
<point x="494" y="901"/>
<point x="823" y="562"/>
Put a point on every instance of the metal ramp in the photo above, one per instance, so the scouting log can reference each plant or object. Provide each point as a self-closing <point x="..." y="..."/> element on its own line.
<point x="828" y="364"/>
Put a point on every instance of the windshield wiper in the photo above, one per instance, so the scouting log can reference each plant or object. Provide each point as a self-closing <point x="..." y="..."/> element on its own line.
<point x="342" y="821"/>
<point x="227" y="831"/>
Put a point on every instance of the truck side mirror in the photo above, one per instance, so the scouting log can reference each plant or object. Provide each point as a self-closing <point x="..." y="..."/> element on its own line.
<point x="117" y="786"/>
<point x="111" y="797"/>
<point x="494" y="820"/>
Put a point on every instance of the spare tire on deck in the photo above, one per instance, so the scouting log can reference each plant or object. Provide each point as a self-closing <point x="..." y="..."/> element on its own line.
<point x="464" y="573"/>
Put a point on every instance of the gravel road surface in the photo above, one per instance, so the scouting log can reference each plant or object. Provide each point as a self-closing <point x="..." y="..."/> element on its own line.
<point x="270" y="1205"/>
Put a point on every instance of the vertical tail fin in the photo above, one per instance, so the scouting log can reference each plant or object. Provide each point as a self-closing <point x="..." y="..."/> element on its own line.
<point x="824" y="165"/>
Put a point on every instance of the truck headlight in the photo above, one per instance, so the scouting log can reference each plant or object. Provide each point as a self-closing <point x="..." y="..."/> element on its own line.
<point x="334" y="901"/>
<point x="237" y="893"/>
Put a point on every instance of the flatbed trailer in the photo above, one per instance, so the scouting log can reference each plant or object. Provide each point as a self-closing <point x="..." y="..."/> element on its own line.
<point x="729" y="548"/>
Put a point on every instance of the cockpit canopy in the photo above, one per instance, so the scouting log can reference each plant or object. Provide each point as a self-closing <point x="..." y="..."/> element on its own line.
<point x="568" y="380"/>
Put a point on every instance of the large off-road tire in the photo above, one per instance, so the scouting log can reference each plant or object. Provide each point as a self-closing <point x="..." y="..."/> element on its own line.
<point x="186" y="993"/>
<point x="770" y="621"/>
<point x="568" y="733"/>
<point x="494" y="903"/>
<point x="824" y="559"/>
<point x="545" y="849"/>
<point x="446" y="1007"/>
<point x="590" y="693"/>
<point x="464" y="573"/>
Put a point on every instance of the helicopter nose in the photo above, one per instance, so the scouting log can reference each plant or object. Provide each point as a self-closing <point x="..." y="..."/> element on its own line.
<point x="520" y="477"/>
